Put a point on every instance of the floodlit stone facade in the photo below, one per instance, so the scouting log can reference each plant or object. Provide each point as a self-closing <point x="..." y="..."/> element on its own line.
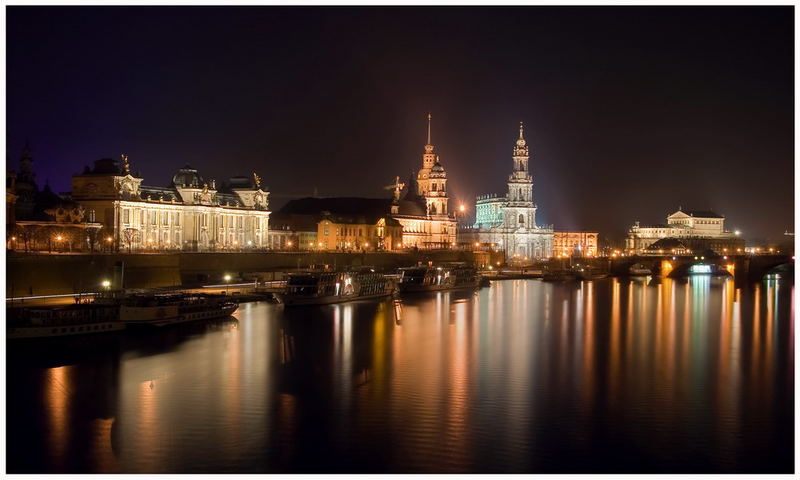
<point x="190" y="214"/>
<point x="422" y="207"/>
<point x="575" y="244"/>
<point x="685" y="226"/>
<point x="508" y="223"/>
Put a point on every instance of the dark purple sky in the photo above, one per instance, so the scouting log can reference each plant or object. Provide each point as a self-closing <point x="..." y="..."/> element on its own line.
<point x="630" y="112"/>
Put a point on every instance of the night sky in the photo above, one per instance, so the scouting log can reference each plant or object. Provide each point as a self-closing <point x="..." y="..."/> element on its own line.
<point x="629" y="112"/>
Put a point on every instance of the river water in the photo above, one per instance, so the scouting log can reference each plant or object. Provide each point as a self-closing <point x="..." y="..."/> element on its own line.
<point x="523" y="376"/>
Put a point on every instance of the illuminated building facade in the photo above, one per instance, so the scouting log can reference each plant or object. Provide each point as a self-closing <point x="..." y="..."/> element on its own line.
<point x="337" y="223"/>
<point x="509" y="223"/>
<point x="575" y="244"/>
<point x="421" y="206"/>
<point x="191" y="214"/>
<point x="694" y="229"/>
<point x="359" y="233"/>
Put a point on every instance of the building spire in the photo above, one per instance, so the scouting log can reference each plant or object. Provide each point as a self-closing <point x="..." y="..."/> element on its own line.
<point x="521" y="137"/>
<point x="429" y="128"/>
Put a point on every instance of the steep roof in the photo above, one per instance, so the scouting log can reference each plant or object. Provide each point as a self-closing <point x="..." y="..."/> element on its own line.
<point x="411" y="203"/>
<point x="361" y="219"/>
<point x="338" y="206"/>
<point x="296" y="222"/>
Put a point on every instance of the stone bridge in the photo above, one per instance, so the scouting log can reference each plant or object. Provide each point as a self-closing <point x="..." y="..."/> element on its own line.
<point x="743" y="268"/>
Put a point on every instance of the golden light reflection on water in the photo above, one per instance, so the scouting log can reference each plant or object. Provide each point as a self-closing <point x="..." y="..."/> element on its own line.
<point x="100" y="450"/>
<point x="507" y="378"/>
<point x="615" y="343"/>
<point x="58" y="393"/>
<point x="589" y="340"/>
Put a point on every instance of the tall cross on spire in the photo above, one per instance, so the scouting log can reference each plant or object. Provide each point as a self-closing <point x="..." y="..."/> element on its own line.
<point x="429" y="128"/>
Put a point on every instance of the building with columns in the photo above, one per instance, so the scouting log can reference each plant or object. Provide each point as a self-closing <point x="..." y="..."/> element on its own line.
<point x="508" y="222"/>
<point x="691" y="230"/>
<point x="575" y="244"/>
<point x="189" y="214"/>
<point x="421" y="206"/>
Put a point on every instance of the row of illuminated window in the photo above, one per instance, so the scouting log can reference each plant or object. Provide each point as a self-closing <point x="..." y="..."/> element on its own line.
<point x="145" y="217"/>
<point x="346" y="232"/>
<point x="152" y="217"/>
<point x="696" y="222"/>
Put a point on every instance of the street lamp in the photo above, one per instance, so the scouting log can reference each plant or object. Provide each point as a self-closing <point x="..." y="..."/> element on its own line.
<point x="227" y="279"/>
<point x="106" y="284"/>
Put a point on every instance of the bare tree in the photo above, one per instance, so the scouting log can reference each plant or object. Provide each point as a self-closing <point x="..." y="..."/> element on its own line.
<point x="105" y="239"/>
<point x="12" y="236"/>
<point x="130" y="235"/>
<point x="40" y="236"/>
<point x="95" y="237"/>
<point x="24" y="235"/>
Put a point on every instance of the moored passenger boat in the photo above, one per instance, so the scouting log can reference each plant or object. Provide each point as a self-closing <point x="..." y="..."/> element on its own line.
<point x="69" y="320"/>
<point x="327" y="287"/>
<point x="431" y="279"/>
<point x="164" y="309"/>
<point x="588" y="273"/>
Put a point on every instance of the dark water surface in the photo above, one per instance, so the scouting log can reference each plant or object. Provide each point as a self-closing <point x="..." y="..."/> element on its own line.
<point x="524" y="376"/>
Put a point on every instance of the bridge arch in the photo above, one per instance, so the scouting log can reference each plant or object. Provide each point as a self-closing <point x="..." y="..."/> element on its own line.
<point x="684" y="269"/>
<point x="786" y="268"/>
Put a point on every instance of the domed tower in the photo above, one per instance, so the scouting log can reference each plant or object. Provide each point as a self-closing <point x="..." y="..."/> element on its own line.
<point x="432" y="179"/>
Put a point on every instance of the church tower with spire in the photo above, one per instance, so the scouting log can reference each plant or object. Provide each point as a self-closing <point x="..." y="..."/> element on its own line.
<point x="520" y="211"/>
<point x="432" y="180"/>
<point x="422" y="207"/>
<point x="509" y="222"/>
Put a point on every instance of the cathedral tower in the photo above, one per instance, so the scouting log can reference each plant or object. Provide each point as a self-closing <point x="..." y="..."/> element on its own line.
<point x="521" y="212"/>
<point x="432" y="179"/>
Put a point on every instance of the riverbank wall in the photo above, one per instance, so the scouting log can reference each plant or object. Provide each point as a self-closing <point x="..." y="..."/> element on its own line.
<point x="32" y="274"/>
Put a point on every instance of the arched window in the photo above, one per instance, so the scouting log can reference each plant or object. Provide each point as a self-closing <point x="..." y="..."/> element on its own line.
<point x="521" y="218"/>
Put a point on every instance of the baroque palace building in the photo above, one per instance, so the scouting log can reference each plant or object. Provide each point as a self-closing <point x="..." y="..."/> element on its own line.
<point x="684" y="232"/>
<point x="190" y="214"/>
<point x="421" y="205"/>
<point x="508" y="223"/>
